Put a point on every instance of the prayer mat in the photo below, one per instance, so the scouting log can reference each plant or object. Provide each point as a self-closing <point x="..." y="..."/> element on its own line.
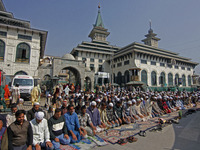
<point x="128" y="133"/>
<point x="84" y="144"/>
<point x="97" y="140"/>
<point x="67" y="147"/>
<point x="132" y="126"/>
<point x="111" y="136"/>
<point x="112" y="133"/>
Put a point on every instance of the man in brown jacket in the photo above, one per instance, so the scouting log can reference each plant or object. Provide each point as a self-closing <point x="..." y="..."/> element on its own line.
<point x="20" y="134"/>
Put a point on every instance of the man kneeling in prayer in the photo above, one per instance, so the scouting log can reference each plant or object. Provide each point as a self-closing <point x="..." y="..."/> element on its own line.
<point x="103" y="115"/>
<point x="58" y="130"/>
<point x="85" y="120"/>
<point x="73" y="125"/>
<point x="95" y="116"/>
<point x="41" y="137"/>
<point x="111" y="116"/>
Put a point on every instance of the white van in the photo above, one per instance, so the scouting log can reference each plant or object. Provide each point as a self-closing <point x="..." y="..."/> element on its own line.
<point x="26" y="84"/>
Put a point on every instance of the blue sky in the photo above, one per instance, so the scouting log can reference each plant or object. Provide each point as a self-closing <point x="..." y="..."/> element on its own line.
<point x="69" y="22"/>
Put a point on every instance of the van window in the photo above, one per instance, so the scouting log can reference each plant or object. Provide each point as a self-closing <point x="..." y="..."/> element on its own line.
<point x="23" y="82"/>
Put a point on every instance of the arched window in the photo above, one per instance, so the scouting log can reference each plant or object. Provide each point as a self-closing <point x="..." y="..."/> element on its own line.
<point x="23" y="53"/>
<point x="176" y="79"/>
<point x="144" y="76"/>
<point x="183" y="80"/>
<point x="162" y="78"/>
<point x="119" y="78"/>
<point x="189" y="81"/>
<point x="126" y="76"/>
<point x="2" y="50"/>
<point x="170" y="79"/>
<point x="153" y="78"/>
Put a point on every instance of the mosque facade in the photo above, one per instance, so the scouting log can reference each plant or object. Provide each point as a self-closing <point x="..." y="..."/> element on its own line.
<point x="137" y="64"/>
<point x="21" y="46"/>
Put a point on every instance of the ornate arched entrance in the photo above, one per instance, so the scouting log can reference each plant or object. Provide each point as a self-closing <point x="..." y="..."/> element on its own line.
<point x="69" y="75"/>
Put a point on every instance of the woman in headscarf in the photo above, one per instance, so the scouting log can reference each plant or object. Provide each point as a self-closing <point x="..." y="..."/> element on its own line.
<point x="7" y="95"/>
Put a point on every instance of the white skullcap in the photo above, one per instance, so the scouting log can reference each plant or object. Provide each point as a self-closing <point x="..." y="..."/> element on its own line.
<point x="98" y="100"/>
<point x="49" y="95"/>
<point x="117" y="99"/>
<point x="21" y="100"/>
<point x="39" y="115"/>
<point x="110" y="104"/>
<point x="93" y="103"/>
<point x="60" y="97"/>
<point x="129" y="102"/>
<point x="138" y="100"/>
<point x="36" y="103"/>
<point x="142" y="99"/>
<point x="133" y="100"/>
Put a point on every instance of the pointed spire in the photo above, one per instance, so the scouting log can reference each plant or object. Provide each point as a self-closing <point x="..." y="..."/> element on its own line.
<point x="99" y="21"/>
<point x="150" y="29"/>
<point x="151" y="38"/>
<point x="99" y="33"/>
<point x="150" y="23"/>
<point x="2" y="7"/>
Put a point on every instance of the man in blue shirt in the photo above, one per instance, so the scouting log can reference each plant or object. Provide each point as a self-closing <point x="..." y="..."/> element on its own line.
<point x="72" y="124"/>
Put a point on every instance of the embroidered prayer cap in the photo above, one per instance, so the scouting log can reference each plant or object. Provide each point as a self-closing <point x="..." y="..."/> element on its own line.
<point x="117" y="99"/>
<point x="93" y="103"/>
<point x="110" y="104"/>
<point x="133" y="100"/>
<point x="129" y="102"/>
<point x="39" y="115"/>
<point x="36" y="104"/>
<point x="98" y="100"/>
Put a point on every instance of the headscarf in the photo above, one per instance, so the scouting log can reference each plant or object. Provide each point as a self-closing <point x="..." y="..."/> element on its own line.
<point x="7" y="92"/>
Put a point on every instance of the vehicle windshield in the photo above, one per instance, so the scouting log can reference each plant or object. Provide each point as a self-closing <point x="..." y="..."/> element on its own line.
<point x="23" y="82"/>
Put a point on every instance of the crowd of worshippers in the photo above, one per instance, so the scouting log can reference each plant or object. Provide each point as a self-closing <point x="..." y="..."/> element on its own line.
<point x="71" y="118"/>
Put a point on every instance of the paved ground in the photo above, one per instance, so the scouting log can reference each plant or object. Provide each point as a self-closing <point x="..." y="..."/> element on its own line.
<point x="183" y="136"/>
